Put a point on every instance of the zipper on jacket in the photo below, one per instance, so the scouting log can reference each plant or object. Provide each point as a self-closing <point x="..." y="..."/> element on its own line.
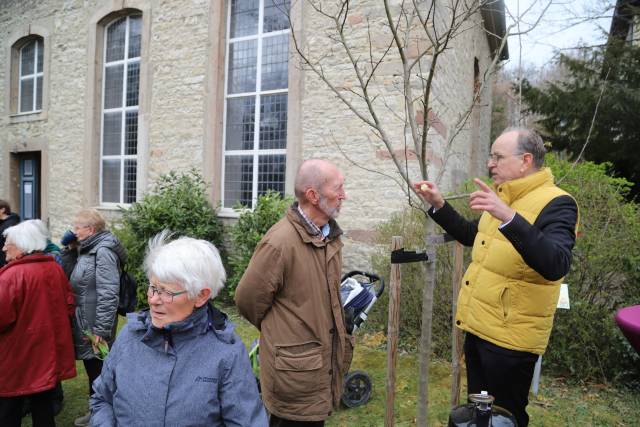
<point x="335" y="326"/>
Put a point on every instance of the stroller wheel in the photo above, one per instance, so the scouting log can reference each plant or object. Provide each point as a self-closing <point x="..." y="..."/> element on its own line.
<point x="357" y="389"/>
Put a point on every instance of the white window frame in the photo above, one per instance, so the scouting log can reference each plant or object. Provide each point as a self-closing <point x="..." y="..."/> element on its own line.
<point x="256" y="152"/>
<point x="123" y="110"/>
<point x="33" y="76"/>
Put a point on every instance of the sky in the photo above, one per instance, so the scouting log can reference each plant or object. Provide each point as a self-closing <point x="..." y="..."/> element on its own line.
<point x="565" y="24"/>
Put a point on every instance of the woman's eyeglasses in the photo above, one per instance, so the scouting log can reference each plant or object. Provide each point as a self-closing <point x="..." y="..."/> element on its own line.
<point x="165" y="296"/>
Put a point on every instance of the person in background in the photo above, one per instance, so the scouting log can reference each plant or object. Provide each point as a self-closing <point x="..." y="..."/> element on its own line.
<point x="36" y="348"/>
<point x="69" y="252"/>
<point x="7" y="219"/>
<point x="290" y="292"/>
<point x="180" y="362"/>
<point x="521" y="252"/>
<point x="96" y="285"/>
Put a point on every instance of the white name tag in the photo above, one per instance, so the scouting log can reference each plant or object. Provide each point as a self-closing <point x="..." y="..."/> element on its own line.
<point x="563" y="299"/>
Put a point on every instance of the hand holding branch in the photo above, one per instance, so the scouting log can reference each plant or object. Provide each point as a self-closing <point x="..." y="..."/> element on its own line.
<point x="430" y="193"/>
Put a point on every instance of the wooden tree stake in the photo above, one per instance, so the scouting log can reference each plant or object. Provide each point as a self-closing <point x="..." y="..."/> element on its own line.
<point x="456" y="333"/>
<point x="393" y="333"/>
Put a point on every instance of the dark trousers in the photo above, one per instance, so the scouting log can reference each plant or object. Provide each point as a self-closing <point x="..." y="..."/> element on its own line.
<point x="275" y="421"/>
<point x="93" y="368"/>
<point x="41" y="410"/>
<point x="505" y="374"/>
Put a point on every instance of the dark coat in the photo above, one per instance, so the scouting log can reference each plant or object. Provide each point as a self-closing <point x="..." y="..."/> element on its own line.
<point x="36" y="348"/>
<point x="9" y="221"/>
<point x="96" y="286"/>
<point x="290" y="291"/>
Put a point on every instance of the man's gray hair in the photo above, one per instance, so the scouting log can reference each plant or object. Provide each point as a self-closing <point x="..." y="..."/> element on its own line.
<point x="529" y="141"/>
<point x="27" y="237"/>
<point x="192" y="263"/>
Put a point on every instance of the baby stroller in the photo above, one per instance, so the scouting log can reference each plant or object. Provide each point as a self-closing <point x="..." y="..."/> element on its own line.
<point x="359" y="291"/>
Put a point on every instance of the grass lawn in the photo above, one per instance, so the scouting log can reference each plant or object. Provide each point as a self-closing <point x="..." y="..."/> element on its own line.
<point x="558" y="404"/>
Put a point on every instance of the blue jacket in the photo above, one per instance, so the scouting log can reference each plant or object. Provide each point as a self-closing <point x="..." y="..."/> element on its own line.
<point x="190" y="373"/>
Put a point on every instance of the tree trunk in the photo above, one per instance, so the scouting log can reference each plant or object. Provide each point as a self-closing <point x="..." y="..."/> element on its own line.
<point x="425" y="334"/>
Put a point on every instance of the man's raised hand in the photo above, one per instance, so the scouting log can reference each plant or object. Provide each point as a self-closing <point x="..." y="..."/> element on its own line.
<point x="485" y="199"/>
<point x="430" y="193"/>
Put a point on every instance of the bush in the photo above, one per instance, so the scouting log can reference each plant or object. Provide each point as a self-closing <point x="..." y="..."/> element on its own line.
<point x="585" y="343"/>
<point x="248" y="231"/>
<point x="177" y="202"/>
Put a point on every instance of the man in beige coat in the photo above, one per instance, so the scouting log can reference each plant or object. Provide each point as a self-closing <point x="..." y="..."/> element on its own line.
<point x="290" y="292"/>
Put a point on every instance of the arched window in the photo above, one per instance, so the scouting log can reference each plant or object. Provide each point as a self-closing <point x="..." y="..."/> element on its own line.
<point x="256" y="100"/>
<point x="30" y="76"/>
<point x="120" y="96"/>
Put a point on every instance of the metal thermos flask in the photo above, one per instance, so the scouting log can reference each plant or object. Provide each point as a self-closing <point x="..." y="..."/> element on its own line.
<point x="481" y="412"/>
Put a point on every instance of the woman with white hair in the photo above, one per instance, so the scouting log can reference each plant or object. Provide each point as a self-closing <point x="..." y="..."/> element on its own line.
<point x="180" y="362"/>
<point x="36" y="348"/>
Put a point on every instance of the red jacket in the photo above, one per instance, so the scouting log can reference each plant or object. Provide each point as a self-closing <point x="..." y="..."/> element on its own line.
<point x="36" y="347"/>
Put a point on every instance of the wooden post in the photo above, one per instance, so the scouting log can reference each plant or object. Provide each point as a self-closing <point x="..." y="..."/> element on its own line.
<point x="393" y="333"/>
<point x="456" y="334"/>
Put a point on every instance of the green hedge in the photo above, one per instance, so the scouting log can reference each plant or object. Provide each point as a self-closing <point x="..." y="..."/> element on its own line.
<point x="178" y="202"/>
<point x="585" y="344"/>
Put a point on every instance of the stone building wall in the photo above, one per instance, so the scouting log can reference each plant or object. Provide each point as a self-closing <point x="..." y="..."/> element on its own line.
<point x="181" y="107"/>
<point x="332" y="131"/>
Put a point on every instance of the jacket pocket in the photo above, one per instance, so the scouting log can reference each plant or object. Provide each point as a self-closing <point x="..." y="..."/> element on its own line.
<point x="505" y="303"/>
<point x="297" y="370"/>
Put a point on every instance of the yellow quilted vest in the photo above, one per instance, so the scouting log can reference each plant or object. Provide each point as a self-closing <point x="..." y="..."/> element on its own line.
<point x="502" y="300"/>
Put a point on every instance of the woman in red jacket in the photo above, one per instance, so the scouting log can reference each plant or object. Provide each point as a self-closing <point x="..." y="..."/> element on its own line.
<point x="36" y="347"/>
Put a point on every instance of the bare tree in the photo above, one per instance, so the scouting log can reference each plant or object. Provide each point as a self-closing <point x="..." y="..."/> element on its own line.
<point x="418" y="36"/>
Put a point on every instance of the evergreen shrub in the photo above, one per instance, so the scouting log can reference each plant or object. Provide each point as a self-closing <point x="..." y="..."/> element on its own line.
<point x="178" y="202"/>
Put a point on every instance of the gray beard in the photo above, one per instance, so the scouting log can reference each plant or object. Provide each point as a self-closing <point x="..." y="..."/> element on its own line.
<point x="330" y="212"/>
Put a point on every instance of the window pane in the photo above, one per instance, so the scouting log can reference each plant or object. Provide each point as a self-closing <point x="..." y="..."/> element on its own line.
<point x="130" y="166"/>
<point x="40" y="54"/>
<point x="133" y="83"/>
<point x="271" y="171"/>
<point x="113" y="87"/>
<point x="244" y="18"/>
<point x="275" y="62"/>
<point x="27" y="58"/>
<point x="238" y="172"/>
<point x="26" y="95"/>
<point x="135" y="32"/>
<point x="115" y="40"/>
<point x="111" y="181"/>
<point x="39" y="94"/>
<point x="131" y="134"/>
<point x="242" y="66"/>
<point x="112" y="134"/>
<point x="273" y="121"/>
<point x="240" y="123"/>
<point x="275" y="15"/>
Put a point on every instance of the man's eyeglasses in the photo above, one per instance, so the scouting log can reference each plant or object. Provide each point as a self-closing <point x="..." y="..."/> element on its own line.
<point x="165" y="296"/>
<point x="496" y="158"/>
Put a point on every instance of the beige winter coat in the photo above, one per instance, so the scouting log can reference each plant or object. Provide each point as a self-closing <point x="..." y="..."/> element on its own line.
<point x="290" y="292"/>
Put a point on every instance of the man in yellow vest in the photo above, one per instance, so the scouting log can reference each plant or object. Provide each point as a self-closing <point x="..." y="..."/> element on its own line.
<point x="521" y="252"/>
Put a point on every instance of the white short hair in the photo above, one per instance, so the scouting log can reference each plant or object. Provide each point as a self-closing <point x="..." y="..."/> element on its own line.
<point x="42" y="227"/>
<point x="27" y="237"/>
<point x="192" y="263"/>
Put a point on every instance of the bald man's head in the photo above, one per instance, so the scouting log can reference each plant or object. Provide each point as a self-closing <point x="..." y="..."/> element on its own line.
<point x="313" y="173"/>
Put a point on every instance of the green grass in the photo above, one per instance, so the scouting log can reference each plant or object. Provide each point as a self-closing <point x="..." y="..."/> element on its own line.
<point x="559" y="403"/>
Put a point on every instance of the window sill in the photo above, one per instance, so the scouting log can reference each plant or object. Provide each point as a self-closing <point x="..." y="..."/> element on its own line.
<point x="228" y="213"/>
<point x="28" y="117"/>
